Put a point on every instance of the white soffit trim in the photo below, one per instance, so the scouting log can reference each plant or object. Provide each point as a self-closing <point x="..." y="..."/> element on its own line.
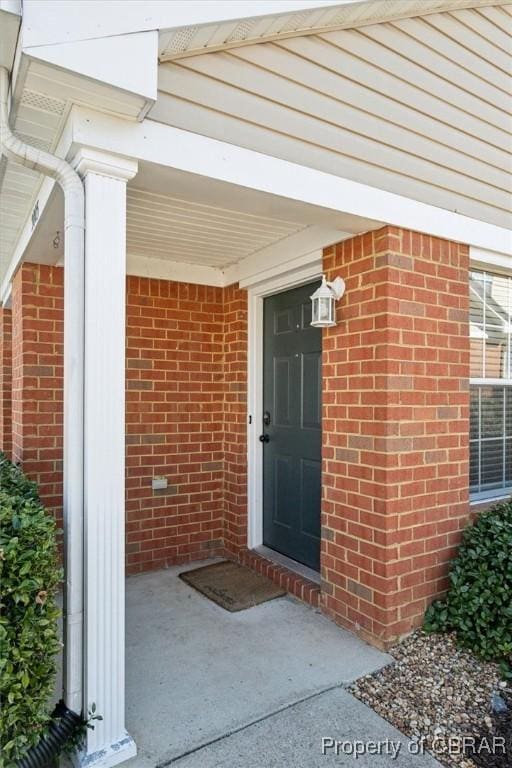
<point x="181" y="272"/>
<point x="7" y="299"/>
<point x="189" y="152"/>
<point x="293" y="254"/>
<point x="128" y="62"/>
<point x="283" y="276"/>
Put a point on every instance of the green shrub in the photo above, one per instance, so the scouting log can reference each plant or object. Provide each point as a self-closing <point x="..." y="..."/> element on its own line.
<point x="478" y="606"/>
<point x="29" y="641"/>
<point x="14" y="482"/>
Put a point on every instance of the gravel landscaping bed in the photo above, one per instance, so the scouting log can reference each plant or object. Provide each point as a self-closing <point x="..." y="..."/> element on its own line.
<point x="438" y="692"/>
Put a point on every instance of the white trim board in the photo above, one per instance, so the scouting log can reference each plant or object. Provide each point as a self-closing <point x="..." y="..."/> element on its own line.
<point x="199" y="155"/>
<point x="181" y="272"/>
<point x="491" y="261"/>
<point x="281" y="257"/>
<point x="50" y="22"/>
<point x="298" y="272"/>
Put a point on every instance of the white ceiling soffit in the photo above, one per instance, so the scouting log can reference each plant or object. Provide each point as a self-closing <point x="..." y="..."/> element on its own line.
<point x="190" y="40"/>
<point x="161" y="226"/>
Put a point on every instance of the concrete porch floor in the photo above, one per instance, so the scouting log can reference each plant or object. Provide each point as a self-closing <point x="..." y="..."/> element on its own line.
<point x="258" y="688"/>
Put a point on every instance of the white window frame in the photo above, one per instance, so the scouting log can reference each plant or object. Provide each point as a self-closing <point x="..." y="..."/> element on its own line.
<point x="498" y="264"/>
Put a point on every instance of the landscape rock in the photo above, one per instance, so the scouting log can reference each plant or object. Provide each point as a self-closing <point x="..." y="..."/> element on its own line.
<point x="440" y="692"/>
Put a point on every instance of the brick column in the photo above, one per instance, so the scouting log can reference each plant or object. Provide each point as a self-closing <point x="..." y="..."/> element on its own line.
<point x="396" y="428"/>
<point x="6" y="381"/>
<point x="37" y="377"/>
<point x="235" y="418"/>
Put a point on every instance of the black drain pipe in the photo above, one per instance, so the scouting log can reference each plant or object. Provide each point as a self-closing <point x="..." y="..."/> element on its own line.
<point x="63" y="726"/>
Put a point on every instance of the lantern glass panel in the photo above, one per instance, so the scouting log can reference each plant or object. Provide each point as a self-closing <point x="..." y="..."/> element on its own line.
<point x="324" y="309"/>
<point x="314" y="311"/>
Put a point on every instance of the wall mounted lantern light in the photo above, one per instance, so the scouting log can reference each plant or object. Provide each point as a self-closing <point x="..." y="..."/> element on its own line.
<point x="324" y="300"/>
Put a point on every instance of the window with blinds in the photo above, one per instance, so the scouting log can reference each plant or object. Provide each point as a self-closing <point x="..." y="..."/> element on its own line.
<point x="490" y="328"/>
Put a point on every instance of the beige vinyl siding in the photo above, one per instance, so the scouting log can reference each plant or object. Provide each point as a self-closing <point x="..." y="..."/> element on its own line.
<point x="420" y="107"/>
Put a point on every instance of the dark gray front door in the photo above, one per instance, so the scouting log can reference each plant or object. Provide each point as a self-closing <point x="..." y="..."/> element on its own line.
<point x="292" y="435"/>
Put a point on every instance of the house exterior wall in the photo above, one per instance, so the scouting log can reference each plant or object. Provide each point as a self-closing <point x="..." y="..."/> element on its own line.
<point x="418" y="106"/>
<point x="186" y="391"/>
<point x="37" y="377"/>
<point x="6" y="381"/>
<point x="395" y="423"/>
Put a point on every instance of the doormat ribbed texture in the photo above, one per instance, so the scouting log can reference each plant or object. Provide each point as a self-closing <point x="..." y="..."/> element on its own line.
<point x="232" y="586"/>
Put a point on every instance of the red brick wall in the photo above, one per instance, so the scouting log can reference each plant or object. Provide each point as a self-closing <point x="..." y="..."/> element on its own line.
<point x="185" y="410"/>
<point x="37" y="377"/>
<point x="175" y="402"/>
<point x="395" y="410"/>
<point x="6" y="381"/>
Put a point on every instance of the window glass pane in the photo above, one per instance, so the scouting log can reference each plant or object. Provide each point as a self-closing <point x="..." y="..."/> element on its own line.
<point x="491" y="417"/>
<point x="490" y="459"/>
<point x="490" y="330"/>
<point x="476" y="359"/>
<point x="496" y="342"/>
<point x="496" y="300"/>
<point x="491" y="464"/>
<point x="476" y="300"/>
<point x="490" y="326"/>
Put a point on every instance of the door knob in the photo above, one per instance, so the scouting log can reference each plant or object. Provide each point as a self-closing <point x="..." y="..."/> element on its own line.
<point x="264" y="439"/>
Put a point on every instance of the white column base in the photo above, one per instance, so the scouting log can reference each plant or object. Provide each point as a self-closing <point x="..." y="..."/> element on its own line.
<point x="105" y="758"/>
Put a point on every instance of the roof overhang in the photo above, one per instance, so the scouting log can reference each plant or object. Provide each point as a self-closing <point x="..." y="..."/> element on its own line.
<point x="312" y="18"/>
<point x="10" y="22"/>
<point x="188" y="27"/>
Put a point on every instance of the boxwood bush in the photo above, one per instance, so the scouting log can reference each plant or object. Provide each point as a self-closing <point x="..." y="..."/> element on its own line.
<point x="478" y="606"/>
<point x="29" y="641"/>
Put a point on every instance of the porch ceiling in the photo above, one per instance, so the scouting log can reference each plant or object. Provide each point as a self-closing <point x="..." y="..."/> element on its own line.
<point x="167" y="227"/>
<point x="182" y="226"/>
<point x="171" y="217"/>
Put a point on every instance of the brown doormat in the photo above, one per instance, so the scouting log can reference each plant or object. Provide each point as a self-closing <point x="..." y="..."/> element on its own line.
<point x="232" y="586"/>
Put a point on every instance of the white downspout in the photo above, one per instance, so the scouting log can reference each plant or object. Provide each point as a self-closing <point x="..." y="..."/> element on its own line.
<point x="74" y="227"/>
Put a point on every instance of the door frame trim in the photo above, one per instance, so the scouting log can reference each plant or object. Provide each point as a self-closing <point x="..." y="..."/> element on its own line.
<point x="294" y="273"/>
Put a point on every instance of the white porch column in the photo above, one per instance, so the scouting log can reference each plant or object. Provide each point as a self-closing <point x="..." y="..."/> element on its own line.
<point x="104" y="451"/>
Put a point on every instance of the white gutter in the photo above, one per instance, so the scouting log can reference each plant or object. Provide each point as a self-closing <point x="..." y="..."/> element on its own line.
<point x="74" y="221"/>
